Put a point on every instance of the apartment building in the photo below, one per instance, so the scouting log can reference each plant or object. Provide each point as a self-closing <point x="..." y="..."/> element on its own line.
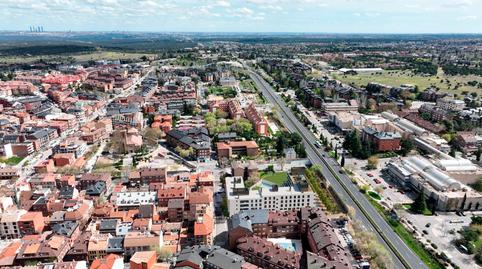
<point x="450" y="104"/>
<point x="260" y="124"/>
<point x="275" y="198"/>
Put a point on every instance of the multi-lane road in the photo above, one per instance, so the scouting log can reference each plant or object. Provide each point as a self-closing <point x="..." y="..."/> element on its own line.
<point x="402" y="255"/>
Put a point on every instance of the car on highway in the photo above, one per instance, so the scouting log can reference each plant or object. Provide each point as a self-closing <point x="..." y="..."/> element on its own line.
<point x="317" y="144"/>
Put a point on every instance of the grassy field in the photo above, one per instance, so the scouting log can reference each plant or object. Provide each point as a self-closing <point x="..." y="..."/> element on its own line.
<point x="374" y="195"/>
<point x="12" y="160"/>
<point x="278" y="178"/>
<point x="248" y="85"/>
<point x="81" y="57"/>
<point x="396" y="78"/>
<point x="226" y="92"/>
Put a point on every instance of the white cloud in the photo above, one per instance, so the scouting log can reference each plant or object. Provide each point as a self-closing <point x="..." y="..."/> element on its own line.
<point x="245" y="11"/>
<point x="458" y="3"/>
<point x="467" y="18"/>
<point x="223" y="3"/>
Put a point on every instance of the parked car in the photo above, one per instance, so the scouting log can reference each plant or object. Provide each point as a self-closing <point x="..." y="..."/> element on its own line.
<point x="370" y="174"/>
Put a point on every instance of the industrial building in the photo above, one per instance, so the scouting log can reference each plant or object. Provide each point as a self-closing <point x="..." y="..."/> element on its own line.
<point x="421" y="175"/>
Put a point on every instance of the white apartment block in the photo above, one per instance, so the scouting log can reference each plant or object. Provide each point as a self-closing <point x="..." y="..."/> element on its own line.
<point x="450" y="104"/>
<point x="135" y="199"/>
<point x="283" y="198"/>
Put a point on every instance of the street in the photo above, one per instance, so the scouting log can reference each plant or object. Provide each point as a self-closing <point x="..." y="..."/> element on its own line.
<point x="402" y="255"/>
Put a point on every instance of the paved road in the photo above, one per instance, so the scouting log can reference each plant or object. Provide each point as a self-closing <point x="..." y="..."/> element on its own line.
<point x="347" y="191"/>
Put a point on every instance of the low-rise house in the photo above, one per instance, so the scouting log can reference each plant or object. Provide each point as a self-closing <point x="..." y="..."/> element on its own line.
<point x="110" y="261"/>
<point x="52" y="249"/>
<point x="91" y="178"/>
<point x="141" y="241"/>
<point x="143" y="260"/>
<point x="79" y="249"/>
<point x="31" y="223"/>
<point x="97" y="247"/>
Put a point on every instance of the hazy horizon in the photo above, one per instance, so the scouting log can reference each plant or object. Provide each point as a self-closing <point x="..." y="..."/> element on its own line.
<point x="246" y="16"/>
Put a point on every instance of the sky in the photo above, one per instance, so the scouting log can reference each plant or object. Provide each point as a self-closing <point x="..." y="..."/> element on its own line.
<point x="320" y="16"/>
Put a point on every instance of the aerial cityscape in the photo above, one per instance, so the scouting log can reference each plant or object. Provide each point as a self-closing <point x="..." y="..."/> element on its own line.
<point x="240" y="134"/>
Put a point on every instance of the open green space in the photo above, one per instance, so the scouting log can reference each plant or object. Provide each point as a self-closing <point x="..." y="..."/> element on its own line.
<point x="81" y="57"/>
<point x="395" y="78"/>
<point x="226" y="92"/>
<point x="12" y="160"/>
<point x="278" y="178"/>
<point x="374" y="195"/>
<point x="314" y="176"/>
<point x="248" y="85"/>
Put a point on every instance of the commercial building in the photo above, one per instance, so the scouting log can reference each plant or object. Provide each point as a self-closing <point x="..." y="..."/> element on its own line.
<point x="351" y="105"/>
<point x="381" y="141"/>
<point x="405" y="125"/>
<point x="447" y="193"/>
<point x="228" y="148"/>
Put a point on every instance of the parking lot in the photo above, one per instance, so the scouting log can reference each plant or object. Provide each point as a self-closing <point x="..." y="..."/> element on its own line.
<point x="387" y="187"/>
<point x="441" y="230"/>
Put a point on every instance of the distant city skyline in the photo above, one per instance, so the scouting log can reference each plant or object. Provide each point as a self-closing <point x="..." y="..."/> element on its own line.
<point x="319" y="16"/>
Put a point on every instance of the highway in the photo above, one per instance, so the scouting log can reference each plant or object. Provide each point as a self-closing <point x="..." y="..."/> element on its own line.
<point x="402" y="255"/>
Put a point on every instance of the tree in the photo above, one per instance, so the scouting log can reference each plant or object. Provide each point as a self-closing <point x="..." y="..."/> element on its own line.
<point x="452" y="151"/>
<point x="163" y="253"/>
<point x="270" y="169"/>
<point x="280" y="144"/>
<point x="152" y="135"/>
<point x="356" y="144"/>
<point x="478" y="185"/>
<point x="243" y="127"/>
<point x="371" y="104"/>
<point x="464" y="200"/>
<point x="342" y="163"/>
<point x="406" y="146"/>
<point x="478" y="154"/>
<point x="372" y="162"/>
<point x="336" y="152"/>
<point x="419" y="206"/>
<point x="117" y="142"/>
